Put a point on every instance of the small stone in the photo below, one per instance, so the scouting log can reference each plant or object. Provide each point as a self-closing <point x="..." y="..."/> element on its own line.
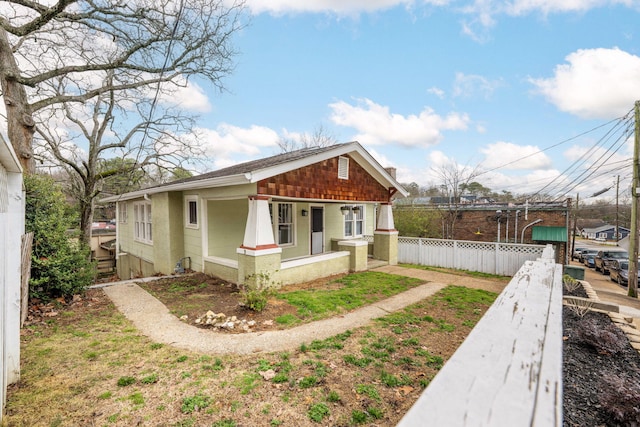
<point x="221" y="315"/>
<point x="268" y="323"/>
<point x="184" y="317"/>
<point x="198" y="321"/>
<point x="234" y="319"/>
<point x="251" y="323"/>
<point x="211" y="314"/>
<point x="228" y="325"/>
<point x="245" y="328"/>
<point x="268" y="375"/>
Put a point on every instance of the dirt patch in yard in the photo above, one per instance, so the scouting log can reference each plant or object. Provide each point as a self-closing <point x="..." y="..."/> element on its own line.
<point x="196" y="294"/>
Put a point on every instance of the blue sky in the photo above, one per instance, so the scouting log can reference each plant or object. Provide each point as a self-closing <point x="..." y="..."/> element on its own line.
<point x="507" y="88"/>
<point x="425" y="84"/>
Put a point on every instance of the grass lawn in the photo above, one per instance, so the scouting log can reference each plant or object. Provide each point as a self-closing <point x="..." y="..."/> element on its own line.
<point x="89" y="366"/>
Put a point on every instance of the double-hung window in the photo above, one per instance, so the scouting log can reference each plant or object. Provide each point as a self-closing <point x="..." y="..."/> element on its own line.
<point x="122" y="212"/>
<point x="142" y="222"/>
<point x="354" y="222"/>
<point x="282" y="218"/>
<point x="191" y="212"/>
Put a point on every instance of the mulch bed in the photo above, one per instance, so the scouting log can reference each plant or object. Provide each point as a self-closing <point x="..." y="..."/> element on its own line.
<point x="601" y="383"/>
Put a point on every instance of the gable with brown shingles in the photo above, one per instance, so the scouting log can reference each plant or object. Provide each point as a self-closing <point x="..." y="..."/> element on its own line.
<point x="320" y="181"/>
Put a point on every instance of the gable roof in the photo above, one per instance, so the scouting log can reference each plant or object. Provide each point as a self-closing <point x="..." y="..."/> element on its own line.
<point x="603" y="228"/>
<point x="256" y="170"/>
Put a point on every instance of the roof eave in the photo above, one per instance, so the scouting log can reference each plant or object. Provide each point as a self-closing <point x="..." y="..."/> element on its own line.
<point x="223" y="181"/>
<point x="8" y="157"/>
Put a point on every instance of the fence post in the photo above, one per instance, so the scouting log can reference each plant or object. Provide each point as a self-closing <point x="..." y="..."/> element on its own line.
<point x="456" y="255"/>
<point x="25" y="263"/>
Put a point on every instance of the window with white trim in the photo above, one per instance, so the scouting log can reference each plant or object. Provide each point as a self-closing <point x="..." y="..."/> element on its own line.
<point x="142" y="230"/>
<point x="282" y="219"/>
<point x="122" y="212"/>
<point x="191" y="211"/>
<point x="354" y="222"/>
<point x="343" y="167"/>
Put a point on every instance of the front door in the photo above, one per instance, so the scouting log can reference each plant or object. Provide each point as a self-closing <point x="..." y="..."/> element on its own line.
<point x="317" y="230"/>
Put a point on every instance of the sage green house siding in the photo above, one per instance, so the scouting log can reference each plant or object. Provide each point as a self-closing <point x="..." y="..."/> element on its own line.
<point x="168" y="229"/>
<point x="127" y="239"/>
<point x="226" y="220"/>
<point x="255" y="217"/>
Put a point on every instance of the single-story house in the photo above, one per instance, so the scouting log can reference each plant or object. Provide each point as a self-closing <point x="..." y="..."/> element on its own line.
<point x="284" y="219"/>
<point x="11" y="231"/>
<point x="605" y="232"/>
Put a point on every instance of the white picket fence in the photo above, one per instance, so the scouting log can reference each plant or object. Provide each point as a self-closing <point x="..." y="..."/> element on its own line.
<point x="504" y="259"/>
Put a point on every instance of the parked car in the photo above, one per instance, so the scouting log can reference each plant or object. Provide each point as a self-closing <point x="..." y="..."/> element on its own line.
<point x="619" y="272"/>
<point x="604" y="258"/>
<point x="588" y="260"/>
<point x="576" y="253"/>
<point x="586" y="252"/>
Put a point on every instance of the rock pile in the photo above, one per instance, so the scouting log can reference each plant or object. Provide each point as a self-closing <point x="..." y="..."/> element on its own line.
<point x="221" y="321"/>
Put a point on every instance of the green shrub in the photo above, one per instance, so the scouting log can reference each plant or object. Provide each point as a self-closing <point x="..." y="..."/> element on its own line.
<point x="255" y="300"/>
<point x="60" y="265"/>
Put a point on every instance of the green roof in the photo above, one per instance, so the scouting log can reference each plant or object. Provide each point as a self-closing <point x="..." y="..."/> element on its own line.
<point x="549" y="234"/>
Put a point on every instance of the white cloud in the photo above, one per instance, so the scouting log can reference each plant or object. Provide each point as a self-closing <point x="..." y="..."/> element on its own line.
<point x="376" y="125"/>
<point x="484" y="10"/>
<point x="437" y="92"/>
<point x="471" y="85"/>
<point x="225" y="141"/>
<point x="187" y="95"/>
<point x="521" y="7"/>
<point x="594" y="84"/>
<point x="506" y="155"/>
<point x="339" y="7"/>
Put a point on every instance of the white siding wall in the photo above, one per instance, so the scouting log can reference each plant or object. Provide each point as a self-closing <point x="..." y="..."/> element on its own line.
<point x="11" y="230"/>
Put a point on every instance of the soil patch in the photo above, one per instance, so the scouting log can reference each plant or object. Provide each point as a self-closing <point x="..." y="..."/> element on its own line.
<point x="192" y="296"/>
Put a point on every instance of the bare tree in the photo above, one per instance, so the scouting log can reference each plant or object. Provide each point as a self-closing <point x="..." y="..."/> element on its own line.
<point x="72" y="51"/>
<point x="103" y="126"/>
<point x="320" y="137"/>
<point x="453" y="180"/>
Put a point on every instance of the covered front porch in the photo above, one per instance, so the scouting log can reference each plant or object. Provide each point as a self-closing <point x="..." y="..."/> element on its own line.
<point x="292" y="241"/>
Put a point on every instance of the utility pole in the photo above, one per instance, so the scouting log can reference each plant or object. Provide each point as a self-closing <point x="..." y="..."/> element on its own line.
<point x="633" y="239"/>
<point x="575" y="225"/>
<point x="617" y="210"/>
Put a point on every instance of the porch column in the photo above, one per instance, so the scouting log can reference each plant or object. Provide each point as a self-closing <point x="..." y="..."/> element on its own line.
<point x="259" y="257"/>
<point x="385" y="236"/>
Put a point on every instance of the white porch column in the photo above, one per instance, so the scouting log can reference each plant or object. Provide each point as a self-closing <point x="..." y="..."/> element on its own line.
<point x="385" y="236"/>
<point x="385" y="218"/>
<point x="259" y="257"/>
<point x="258" y="233"/>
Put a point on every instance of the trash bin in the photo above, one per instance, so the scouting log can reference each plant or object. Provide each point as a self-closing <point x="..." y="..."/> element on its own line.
<point x="574" y="271"/>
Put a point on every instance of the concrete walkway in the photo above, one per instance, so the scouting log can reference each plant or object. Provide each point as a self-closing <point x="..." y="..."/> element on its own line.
<point x="154" y="320"/>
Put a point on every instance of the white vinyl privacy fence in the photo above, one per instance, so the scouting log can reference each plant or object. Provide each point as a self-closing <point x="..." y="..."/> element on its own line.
<point x="504" y="259"/>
